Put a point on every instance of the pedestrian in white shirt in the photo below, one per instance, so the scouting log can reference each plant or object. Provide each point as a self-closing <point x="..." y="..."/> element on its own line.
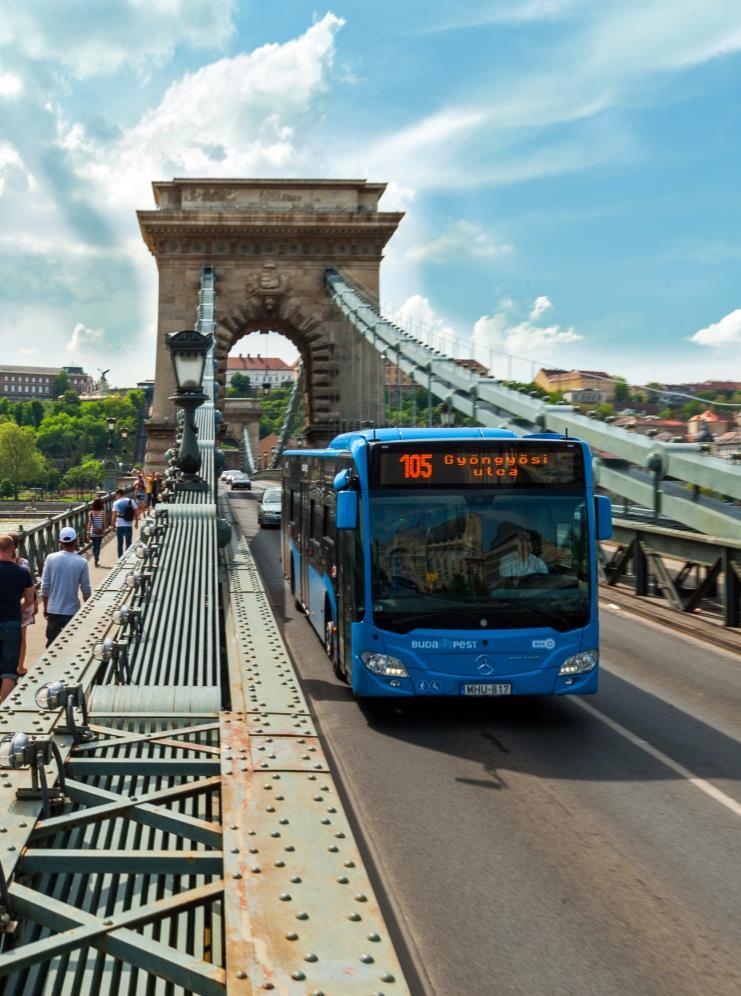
<point x="65" y="573"/>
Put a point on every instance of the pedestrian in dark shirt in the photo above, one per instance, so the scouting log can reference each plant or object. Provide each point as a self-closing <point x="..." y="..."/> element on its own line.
<point x="16" y="593"/>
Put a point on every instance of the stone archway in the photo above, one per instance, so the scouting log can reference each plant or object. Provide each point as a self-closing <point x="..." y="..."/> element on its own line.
<point x="270" y="242"/>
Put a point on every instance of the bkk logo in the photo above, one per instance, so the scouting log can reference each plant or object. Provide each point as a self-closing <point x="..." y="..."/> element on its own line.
<point x="544" y="644"/>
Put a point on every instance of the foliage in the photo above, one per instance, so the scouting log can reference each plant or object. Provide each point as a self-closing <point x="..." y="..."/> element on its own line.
<point x="60" y="383"/>
<point x="622" y="390"/>
<point x="72" y="428"/>
<point x="273" y="407"/>
<point x="6" y="488"/>
<point x="20" y="459"/>
<point x="240" y="387"/>
<point x="85" y="477"/>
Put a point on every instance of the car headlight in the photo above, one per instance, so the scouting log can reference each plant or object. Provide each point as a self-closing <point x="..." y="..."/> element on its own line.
<point x="581" y="663"/>
<point x="383" y="664"/>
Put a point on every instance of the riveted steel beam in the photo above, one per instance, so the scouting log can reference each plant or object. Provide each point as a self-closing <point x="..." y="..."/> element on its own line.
<point x="114" y="936"/>
<point x="113" y="862"/>
<point x="300" y="912"/>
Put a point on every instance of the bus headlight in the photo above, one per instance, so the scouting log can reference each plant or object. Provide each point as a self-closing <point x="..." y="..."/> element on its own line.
<point x="390" y="667"/>
<point x="581" y="663"/>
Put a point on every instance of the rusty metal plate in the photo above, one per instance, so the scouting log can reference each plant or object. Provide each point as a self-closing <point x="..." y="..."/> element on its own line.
<point x="273" y="753"/>
<point x="315" y="924"/>
<point x="280" y="723"/>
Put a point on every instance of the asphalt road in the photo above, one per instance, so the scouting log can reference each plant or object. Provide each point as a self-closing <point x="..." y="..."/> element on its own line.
<point x="556" y="846"/>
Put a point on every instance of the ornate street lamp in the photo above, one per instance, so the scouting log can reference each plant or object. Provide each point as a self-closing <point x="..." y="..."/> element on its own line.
<point x="188" y="349"/>
<point x="110" y="465"/>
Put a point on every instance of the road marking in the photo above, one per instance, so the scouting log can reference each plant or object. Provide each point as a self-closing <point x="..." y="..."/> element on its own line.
<point x="658" y="755"/>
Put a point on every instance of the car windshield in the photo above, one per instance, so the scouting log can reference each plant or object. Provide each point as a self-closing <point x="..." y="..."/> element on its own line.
<point x="272" y="496"/>
<point x="447" y="560"/>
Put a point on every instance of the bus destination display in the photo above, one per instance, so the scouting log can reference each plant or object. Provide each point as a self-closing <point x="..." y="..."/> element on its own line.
<point x="501" y="467"/>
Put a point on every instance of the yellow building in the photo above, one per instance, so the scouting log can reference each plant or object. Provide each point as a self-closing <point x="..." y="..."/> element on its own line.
<point x="577" y="380"/>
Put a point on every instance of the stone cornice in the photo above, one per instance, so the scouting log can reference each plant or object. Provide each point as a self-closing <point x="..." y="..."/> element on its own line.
<point x="179" y="226"/>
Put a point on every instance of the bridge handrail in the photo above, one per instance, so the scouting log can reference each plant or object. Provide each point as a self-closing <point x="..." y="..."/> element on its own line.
<point x="682" y="462"/>
<point x="249" y="457"/>
<point x="289" y="416"/>
<point x="36" y="543"/>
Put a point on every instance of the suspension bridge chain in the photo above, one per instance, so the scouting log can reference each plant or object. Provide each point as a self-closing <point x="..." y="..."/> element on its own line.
<point x="632" y="466"/>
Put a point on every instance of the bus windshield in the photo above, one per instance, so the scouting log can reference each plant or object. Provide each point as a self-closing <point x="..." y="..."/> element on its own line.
<point x="478" y="559"/>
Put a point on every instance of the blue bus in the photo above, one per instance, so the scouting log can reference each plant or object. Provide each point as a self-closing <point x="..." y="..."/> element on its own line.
<point x="448" y="562"/>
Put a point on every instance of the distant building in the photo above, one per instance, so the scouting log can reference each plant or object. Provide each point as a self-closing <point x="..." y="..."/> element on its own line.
<point x="665" y="429"/>
<point x="29" y="383"/>
<point x="728" y="445"/>
<point x="596" y="381"/>
<point x="584" y="396"/>
<point x="260" y="370"/>
<point x="708" y="425"/>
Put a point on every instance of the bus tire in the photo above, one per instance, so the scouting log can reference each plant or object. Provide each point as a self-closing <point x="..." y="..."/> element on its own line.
<point x="331" y="644"/>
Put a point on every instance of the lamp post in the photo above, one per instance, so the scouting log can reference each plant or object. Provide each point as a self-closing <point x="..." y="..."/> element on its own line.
<point x="188" y="350"/>
<point x="124" y="434"/>
<point x="110" y="464"/>
<point x="447" y="414"/>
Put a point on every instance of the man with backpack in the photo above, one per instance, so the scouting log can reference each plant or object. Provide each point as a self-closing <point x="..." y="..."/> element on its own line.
<point x="124" y="516"/>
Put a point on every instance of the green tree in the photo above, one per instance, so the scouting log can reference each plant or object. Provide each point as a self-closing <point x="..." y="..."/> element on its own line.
<point x="19" y="457"/>
<point x="240" y="387"/>
<point x="60" y="383"/>
<point x="6" y="488"/>
<point x="85" y="476"/>
<point x="622" y="390"/>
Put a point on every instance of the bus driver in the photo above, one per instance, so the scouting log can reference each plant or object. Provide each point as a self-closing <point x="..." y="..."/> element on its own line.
<point x="519" y="561"/>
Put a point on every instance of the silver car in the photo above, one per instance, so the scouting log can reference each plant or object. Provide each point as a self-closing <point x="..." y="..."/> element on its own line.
<point x="268" y="511"/>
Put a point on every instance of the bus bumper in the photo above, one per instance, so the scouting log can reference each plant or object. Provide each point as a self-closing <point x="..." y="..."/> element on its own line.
<point x="545" y="681"/>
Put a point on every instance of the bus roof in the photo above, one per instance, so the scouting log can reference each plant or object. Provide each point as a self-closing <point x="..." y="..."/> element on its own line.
<point x="345" y="439"/>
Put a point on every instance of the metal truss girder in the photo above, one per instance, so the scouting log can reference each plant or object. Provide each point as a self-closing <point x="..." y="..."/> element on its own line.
<point x="145" y="767"/>
<point x="51" y="861"/>
<point x="676" y="543"/>
<point x="105" y="805"/>
<point x="168" y="738"/>
<point x="115" y="936"/>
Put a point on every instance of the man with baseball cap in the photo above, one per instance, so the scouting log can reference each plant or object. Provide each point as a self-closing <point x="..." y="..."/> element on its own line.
<point x="16" y="593"/>
<point x="64" y="572"/>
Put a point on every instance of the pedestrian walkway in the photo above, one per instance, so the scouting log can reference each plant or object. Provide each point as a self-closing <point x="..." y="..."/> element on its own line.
<point x="36" y="634"/>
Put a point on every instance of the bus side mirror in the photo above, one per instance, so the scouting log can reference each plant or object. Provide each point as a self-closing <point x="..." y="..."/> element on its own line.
<point x="603" y="515"/>
<point x="347" y="510"/>
<point x="342" y="479"/>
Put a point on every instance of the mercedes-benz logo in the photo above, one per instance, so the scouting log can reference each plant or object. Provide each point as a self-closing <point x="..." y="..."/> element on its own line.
<point x="484" y="664"/>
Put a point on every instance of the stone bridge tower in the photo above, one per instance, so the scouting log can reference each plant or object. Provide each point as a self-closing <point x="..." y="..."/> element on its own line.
<point x="270" y="242"/>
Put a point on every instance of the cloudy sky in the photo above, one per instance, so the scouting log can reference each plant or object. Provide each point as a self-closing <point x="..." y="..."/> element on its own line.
<point x="569" y="169"/>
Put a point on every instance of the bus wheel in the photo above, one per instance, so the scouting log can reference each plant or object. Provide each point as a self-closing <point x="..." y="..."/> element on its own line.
<point x="330" y="645"/>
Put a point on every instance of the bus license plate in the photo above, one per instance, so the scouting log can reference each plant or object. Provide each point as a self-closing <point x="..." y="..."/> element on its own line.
<point x="487" y="689"/>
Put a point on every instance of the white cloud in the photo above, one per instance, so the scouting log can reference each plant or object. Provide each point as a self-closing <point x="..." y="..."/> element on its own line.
<point x="726" y="332"/>
<point x="501" y="333"/>
<point x="10" y="84"/>
<point x="417" y="316"/>
<point x="234" y="117"/>
<point x="540" y="305"/>
<point x="82" y="337"/>
<point x="89" y="39"/>
<point x="13" y="172"/>
<point x="461" y="239"/>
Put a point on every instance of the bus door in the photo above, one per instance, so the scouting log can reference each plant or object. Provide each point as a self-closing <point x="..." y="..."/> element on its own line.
<point x="304" y="543"/>
<point x="350" y="589"/>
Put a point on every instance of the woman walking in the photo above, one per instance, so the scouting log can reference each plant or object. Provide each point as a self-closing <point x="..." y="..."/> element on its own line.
<point x="96" y="527"/>
<point x="29" y="613"/>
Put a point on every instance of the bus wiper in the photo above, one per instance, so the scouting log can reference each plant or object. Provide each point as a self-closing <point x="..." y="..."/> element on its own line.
<point x="551" y="619"/>
<point x="404" y="622"/>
